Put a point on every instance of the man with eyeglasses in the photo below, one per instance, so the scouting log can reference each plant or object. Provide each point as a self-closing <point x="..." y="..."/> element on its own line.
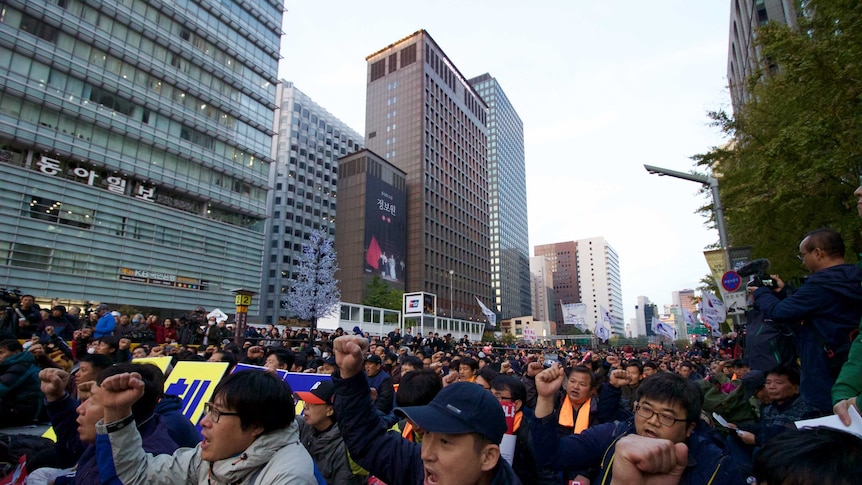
<point x="830" y="306"/>
<point x="248" y="429"/>
<point x="661" y="440"/>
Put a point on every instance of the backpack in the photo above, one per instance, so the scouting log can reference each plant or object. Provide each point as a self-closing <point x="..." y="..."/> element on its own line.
<point x="768" y="343"/>
<point x="15" y="446"/>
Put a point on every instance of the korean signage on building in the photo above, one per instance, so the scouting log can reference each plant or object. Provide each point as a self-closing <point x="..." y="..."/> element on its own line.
<point x="161" y="279"/>
<point x="91" y="175"/>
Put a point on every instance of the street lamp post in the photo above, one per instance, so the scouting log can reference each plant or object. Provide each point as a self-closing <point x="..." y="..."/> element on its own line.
<point x="706" y="181"/>
<point x="712" y="183"/>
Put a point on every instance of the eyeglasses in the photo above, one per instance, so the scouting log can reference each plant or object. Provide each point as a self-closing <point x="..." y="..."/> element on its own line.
<point x="214" y="413"/>
<point x="801" y="256"/>
<point x="663" y="419"/>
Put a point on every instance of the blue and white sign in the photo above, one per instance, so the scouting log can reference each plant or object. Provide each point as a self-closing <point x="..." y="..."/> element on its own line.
<point x="731" y="281"/>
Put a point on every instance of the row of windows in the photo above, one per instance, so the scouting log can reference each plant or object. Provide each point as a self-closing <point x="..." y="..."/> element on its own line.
<point x="56" y="211"/>
<point x="79" y="216"/>
<point x="89" y="265"/>
<point x="116" y="150"/>
<point x="304" y="113"/>
<point x="408" y="56"/>
<point x="195" y="17"/>
<point x="58" y="80"/>
<point x="136" y="45"/>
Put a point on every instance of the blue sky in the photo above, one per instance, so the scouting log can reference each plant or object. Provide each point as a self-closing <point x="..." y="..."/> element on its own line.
<point x="602" y="88"/>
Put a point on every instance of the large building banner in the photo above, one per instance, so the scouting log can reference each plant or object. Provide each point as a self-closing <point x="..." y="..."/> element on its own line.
<point x="385" y="232"/>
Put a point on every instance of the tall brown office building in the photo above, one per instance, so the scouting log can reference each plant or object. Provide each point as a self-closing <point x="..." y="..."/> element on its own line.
<point x="564" y="266"/>
<point x="372" y="214"/>
<point x="424" y="117"/>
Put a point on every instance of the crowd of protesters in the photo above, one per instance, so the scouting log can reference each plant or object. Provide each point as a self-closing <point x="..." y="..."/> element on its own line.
<point x="441" y="410"/>
<point x="578" y="414"/>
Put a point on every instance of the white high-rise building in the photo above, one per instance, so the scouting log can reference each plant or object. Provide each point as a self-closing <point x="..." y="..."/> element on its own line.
<point x="309" y="142"/>
<point x="645" y="311"/>
<point x="599" y="282"/>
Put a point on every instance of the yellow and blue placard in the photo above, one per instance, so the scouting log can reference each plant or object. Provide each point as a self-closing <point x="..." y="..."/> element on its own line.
<point x="194" y="383"/>
<point x="161" y="362"/>
<point x="297" y="381"/>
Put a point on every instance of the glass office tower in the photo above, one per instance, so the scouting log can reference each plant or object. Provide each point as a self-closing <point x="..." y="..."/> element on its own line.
<point x="135" y="145"/>
<point x="507" y="187"/>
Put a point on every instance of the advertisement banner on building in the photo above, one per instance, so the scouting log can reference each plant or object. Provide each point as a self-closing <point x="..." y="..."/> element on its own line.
<point x="385" y="232"/>
<point x="413" y="304"/>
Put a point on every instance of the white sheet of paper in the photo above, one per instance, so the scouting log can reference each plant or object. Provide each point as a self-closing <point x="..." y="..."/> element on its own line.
<point x="834" y="422"/>
<point x="720" y="420"/>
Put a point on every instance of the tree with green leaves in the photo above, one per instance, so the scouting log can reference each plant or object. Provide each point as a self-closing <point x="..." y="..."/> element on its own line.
<point x="796" y="154"/>
<point x="381" y="295"/>
<point x="314" y="293"/>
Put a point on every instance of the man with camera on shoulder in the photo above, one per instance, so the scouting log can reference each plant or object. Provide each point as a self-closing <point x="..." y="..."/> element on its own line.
<point x="829" y="305"/>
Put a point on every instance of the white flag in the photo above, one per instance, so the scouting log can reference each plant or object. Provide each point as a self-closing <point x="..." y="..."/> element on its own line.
<point x="689" y="318"/>
<point x="661" y="328"/>
<point x="217" y="314"/>
<point x="574" y="314"/>
<point x="712" y="309"/>
<point x="492" y="317"/>
<point x="603" y="326"/>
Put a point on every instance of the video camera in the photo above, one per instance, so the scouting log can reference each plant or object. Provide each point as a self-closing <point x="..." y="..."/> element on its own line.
<point x="758" y="273"/>
<point x="11" y="297"/>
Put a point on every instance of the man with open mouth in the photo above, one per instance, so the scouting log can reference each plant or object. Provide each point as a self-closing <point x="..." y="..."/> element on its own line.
<point x="667" y="411"/>
<point x="462" y="428"/>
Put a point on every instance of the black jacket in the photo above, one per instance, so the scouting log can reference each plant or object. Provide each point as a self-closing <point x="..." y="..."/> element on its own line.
<point x="387" y="456"/>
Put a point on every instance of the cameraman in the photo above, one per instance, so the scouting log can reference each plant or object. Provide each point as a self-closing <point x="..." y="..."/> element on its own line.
<point x="829" y="304"/>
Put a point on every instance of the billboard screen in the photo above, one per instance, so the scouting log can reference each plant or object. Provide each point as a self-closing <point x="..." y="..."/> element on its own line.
<point x="385" y="233"/>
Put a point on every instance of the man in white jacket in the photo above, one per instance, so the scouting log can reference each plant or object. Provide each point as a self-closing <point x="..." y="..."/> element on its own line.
<point x="249" y="436"/>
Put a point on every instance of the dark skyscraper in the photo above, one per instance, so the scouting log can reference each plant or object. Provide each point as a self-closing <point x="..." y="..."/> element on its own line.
<point x="426" y="119"/>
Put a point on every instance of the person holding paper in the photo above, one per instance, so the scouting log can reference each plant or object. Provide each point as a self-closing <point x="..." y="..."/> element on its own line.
<point x="787" y="406"/>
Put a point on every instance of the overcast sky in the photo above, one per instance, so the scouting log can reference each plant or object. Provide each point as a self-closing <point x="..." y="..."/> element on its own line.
<point x="602" y="88"/>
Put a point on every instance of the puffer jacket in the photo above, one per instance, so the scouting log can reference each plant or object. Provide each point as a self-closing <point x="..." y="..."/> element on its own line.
<point x="273" y="458"/>
<point x="20" y="396"/>
<point x="181" y="430"/>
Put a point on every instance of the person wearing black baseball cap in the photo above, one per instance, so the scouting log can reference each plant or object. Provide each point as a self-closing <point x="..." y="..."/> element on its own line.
<point x="320" y="435"/>
<point x="462" y="426"/>
<point x="380" y="380"/>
